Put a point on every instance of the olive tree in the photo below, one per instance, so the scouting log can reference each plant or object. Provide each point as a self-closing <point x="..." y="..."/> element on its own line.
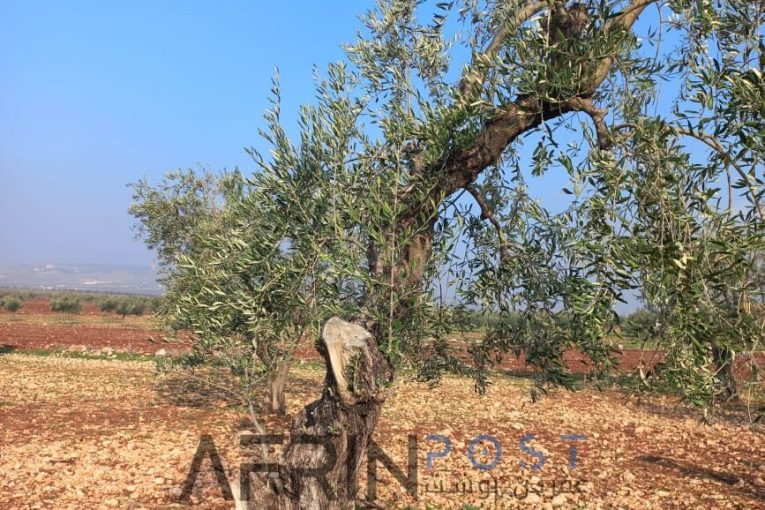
<point x="409" y="194"/>
<point x="229" y="322"/>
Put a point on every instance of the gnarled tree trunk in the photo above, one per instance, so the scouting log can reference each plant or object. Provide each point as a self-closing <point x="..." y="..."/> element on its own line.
<point x="328" y="438"/>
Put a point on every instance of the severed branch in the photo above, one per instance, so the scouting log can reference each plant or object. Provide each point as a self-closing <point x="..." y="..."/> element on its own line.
<point x="488" y="214"/>
<point x="349" y="356"/>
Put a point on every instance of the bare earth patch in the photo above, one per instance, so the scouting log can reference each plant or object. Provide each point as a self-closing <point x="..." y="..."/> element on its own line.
<point x="112" y="434"/>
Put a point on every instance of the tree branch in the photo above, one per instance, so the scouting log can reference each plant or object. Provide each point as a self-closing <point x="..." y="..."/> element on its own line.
<point x="712" y="142"/>
<point x="629" y="15"/>
<point x="460" y="164"/>
<point x="461" y="167"/>
<point x="475" y="74"/>
<point x="597" y="115"/>
<point x="488" y="214"/>
<point x="624" y="20"/>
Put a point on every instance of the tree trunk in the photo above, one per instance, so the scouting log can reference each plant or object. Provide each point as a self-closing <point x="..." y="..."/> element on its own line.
<point x="277" y="379"/>
<point x="328" y="438"/>
<point x="723" y="360"/>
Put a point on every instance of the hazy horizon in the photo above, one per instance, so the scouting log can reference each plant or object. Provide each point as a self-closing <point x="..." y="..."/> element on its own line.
<point x="123" y="278"/>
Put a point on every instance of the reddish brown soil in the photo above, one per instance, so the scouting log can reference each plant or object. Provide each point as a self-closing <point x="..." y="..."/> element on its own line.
<point x="125" y="438"/>
<point x="95" y="434"/>
<point x="631" y="360"/>
<point x="54" y="337"/>
<point x="36" y="305"/>
<point x="35" y="326"/>
<point x="94" y="330"/>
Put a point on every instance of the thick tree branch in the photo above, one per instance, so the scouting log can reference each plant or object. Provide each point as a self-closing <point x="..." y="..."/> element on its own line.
<point x="461" y="164"/>
<point x="461" y="167"/>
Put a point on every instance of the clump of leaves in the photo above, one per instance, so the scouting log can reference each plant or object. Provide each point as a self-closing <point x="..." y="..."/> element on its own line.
<point x="128" y="305"/>
<point x="11" y="304"/>
<point x="66" y="303"/>
<point x="641" y="324"/>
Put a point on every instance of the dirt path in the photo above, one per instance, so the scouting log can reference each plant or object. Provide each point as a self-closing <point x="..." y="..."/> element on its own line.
<point x="91" y="434"/>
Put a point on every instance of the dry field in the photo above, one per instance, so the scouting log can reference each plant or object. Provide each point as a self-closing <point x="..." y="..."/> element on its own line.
<point x="78" y="433"/>
<point x="84" y="427"/>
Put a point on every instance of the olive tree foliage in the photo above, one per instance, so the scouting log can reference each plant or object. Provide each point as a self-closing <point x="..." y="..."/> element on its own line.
<point x="696" y="223"/>
<point x="170" y="213"/>
<point x="665" y="180"/>
<point x="232" y="304"/>
<point x="412" y="191"/>
<point x="411" y="174"/>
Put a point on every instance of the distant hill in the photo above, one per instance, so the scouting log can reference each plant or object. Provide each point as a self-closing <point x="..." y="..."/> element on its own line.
<point x="84" y="277"/>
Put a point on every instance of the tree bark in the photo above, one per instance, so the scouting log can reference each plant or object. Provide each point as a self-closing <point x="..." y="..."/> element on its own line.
<point x="277" y="379"/>
<point x="328" y="438"/>
<point x="723" y="360"/>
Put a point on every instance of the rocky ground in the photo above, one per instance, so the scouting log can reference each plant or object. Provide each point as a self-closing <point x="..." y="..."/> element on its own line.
<point x="95" y="433"/>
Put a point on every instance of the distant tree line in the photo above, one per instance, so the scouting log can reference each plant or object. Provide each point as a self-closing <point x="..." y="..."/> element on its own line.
<point x="71" y="302"/>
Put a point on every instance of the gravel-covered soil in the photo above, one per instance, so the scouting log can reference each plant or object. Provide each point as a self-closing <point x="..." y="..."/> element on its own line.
<point x="90" y="434"/>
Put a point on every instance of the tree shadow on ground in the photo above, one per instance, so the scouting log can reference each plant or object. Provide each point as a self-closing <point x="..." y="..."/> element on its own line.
<point x="733" y="413"/>
<point x="7" y="349"/>
<point x="215" y="389"/>
<point x="745" y="485"/>
<point x="183" y="389"/>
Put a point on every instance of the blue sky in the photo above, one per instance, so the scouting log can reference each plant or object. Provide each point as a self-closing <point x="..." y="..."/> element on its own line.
<point x="94" y="95"/>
